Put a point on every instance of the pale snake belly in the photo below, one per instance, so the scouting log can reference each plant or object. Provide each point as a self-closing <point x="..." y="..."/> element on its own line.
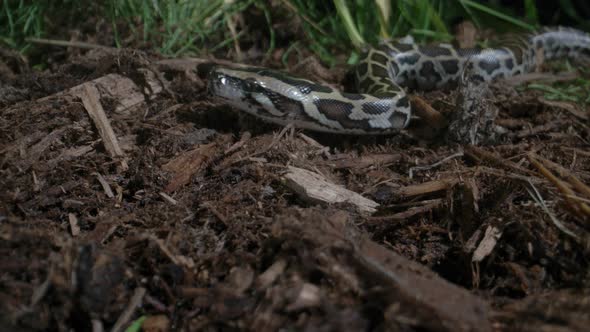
<point x="380" y="104"/>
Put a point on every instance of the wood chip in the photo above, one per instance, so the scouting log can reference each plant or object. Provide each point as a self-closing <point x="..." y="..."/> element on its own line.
<point x="97" y="325"/>
<point x="216" y="212"/>
<point x="187" y="164"/>
<point x="74" y="227"/>
<point x="308" y="296"/>
<point x="487" y="244"/>
<point x="36" y="151"/>
<point x="91" y="100"/>
<point x="72" y="153"/>
<point x="425" y="188"/>
<point x="316" y="188"/>
<point x="271" y="274"/>
<point x="120" y="88"/>
<point x="168" y="198"/>
<point x="158" y="323"/>
<point x="105" y="185"/>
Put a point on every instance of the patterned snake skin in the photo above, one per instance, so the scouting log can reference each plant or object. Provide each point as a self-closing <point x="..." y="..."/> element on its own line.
<point x="381" y="105"/>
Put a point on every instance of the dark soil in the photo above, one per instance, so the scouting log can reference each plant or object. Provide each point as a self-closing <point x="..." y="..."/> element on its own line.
<point x="235" y="248"/>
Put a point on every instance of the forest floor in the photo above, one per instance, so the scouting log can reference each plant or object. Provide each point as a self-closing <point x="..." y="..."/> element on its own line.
<point x="128" y="196"/>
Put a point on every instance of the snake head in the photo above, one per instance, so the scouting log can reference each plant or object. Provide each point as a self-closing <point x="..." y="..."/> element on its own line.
<point x="224" y="86"/>
<point x="239" y="89"/>
<point x="232" y="86"/>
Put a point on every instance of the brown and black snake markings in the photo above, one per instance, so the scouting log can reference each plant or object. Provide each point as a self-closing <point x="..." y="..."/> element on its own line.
<point x="381" y="105"/>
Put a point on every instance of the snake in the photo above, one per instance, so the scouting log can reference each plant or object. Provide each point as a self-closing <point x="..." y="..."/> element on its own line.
<point x="380" y="104"/>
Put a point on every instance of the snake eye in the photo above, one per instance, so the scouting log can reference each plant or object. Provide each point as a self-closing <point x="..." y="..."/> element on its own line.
<point x="251" y="85"/>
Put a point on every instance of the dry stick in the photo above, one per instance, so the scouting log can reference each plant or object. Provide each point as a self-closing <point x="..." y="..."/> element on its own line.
<point x="372" y="160"/>
<point x="540" y="77"/>
<point x="275" y="140"/>
<point x="566" y="173"/>
<point x="407" y="214"/>
<point x="505" y="174"/>
<point x="243" y="140"/>
<point x="563" y="188"/>
<point x="537" y="129"/>
<point x="168" y="198"/>
<point x="105" y="185"/>
<point x="576" y="183"/>
<point x="569" y="107"/>
<point x="423" y="110"/>
<point x="425" y="187"/>
<point x="580" y="186"/>
<point x="232" y="29"/>
<point x="438" y="163"/>
<point x="482" y="154"/>
<point x="67" y="43"/>
<point x="216" y="213"/>
<point x="574" y="150"/>
<point x="165" y="250"/>
<point x="91" y="100"/>
<point x="534" y="193"/>
<point x="311" y="141"/>
<point x="130" y="310"/>
<point x="561" y="171"/>
<point x="578" y="198"/>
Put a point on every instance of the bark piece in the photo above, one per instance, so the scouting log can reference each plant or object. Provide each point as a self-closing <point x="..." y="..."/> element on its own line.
<point x="409" y="293"/>
<point x="425" y="187"/>
<point x="91" y="100"/>
<point x="436" y="302"/>
<point x="316" y="188"/>
<point x="362" y="162"/>
<point x="487" y="244"/>
<point x="185" y="165"/>
<point x="474" y="121"/>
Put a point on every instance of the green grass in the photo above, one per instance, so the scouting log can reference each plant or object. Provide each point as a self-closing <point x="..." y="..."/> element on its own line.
<point x="195" y="27"/>
<point x="577" y="91"/>
<point x="178" y="28"/>
<point x="20" y="19"/>
<point x="172" y="27"/>
<point x="356" y="23"/>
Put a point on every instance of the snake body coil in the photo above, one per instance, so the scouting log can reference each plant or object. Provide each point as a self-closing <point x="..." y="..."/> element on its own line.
<point x="381" y="105"/>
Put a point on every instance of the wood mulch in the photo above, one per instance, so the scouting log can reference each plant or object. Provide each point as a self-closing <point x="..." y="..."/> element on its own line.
<point x="127" y="196"/>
